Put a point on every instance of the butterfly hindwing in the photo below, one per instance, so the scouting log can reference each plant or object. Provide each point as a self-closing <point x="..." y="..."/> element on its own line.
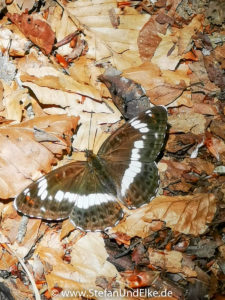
<point x="137" y="182"/>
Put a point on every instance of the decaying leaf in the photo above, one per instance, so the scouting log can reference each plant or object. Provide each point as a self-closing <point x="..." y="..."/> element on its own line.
<point x="184" y="122"/>
<point x="105" y="42"/>
<point x="162" y="87"/>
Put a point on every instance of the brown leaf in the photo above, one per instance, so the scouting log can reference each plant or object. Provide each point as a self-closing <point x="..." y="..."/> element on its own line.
<point x="36" y="29"/>
<point x="149" y="38"/>
<point x="162" y="87"/>
<point x="217" y="127"/>
<point x="23" y="158"/>
<point x="185" y="35"/>
<point x="188" y="214"/>
<point x="135" y="279"/>
<point x="184" y="122"/>
<point x="214" y="71"/>
<point x="88" y="261"/>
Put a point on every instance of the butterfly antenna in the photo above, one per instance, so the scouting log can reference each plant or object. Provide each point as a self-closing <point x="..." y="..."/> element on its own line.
<point x="89" y="133"/>
<point x="96" y="130"/>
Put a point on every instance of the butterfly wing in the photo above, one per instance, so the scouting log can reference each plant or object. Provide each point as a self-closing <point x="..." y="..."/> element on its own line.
<point x="139" y="139"/>
<point x="74" y="191"/>
<point x="96" y="206"/>
<point x="50" y="197"/>
<point x="137" y="182"/>
<point x="129" y="156"/>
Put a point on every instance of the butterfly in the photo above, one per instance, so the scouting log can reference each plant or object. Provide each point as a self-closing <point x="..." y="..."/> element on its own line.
<point x="92" y="193"/>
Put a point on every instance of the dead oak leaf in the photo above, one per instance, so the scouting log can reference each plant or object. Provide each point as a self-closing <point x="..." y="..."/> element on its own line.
<point x="23" y="158"/>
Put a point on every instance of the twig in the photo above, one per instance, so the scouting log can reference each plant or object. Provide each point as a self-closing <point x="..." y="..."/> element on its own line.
<point x="36" y="292"/>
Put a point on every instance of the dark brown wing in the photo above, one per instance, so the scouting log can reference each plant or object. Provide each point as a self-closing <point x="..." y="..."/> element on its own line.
<point x="140" y="139"/>
<point x="72" y="191"/>
<point x="129" y="155"/>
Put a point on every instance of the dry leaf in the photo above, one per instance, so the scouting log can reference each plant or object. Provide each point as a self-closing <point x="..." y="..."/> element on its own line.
<point x="88" y="261"/>
<point x="118" y="45"/>
<point x="36" y="29"/>
<point x="149" y="37"/>
<point x="40" y="72"/>
<point x="10" y="34"/>
<point x="24" y="158"/>
<point x="184" y="122"/>
<point x="187" y="214"/>
<point x="184" y="36"/>
<point x="162" y="87"/>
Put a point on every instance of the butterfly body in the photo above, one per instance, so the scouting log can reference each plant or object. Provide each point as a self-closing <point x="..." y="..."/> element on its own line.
<point x="90" y="193"/>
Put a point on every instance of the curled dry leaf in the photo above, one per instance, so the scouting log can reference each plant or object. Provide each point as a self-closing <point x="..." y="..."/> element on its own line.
<point x="23" y="158"/>
<point x="187" y="214"/>
<point x="36" y="29"/>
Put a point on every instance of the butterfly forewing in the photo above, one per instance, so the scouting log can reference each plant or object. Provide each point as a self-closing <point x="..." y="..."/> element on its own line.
<point x="140" y="139"/>
<point x="52" y="196"/>
<point x="76" y="191"/>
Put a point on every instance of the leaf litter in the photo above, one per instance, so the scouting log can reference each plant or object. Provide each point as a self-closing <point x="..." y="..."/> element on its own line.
<point x="50" y="89"/>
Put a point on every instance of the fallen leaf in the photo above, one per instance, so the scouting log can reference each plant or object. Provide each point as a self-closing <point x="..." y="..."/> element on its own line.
<point x="117" y="45"/>
<point x="88" y="261"/>
<point x="162" y="87"/>
<point x="188" y="214"/>
<point x="24" y="158"/>
<point x="149" y="39"/>
<point x="36" y="29"/>
<point x="185" y="35"/>
<point x="184" y="122"/>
